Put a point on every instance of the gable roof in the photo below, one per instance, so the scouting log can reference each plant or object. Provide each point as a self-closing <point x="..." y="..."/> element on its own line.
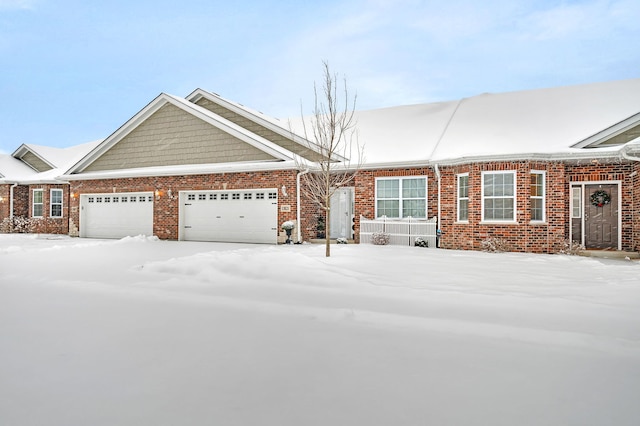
<point x="14" y="170"/>
<point x="299" y="145"/>
<point x="550" y="123"/>
<point x="201" y="113"/>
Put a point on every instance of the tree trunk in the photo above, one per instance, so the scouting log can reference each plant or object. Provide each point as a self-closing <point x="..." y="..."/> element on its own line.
<point x="327" y="242"/>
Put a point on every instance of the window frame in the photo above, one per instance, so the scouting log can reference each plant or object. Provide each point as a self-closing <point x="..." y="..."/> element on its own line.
<point x="576" y="204"/>
<point x="400" y="198"/>
<point x="460" y="199"/>
<point x="542" y="197"/>
<point x="40" y="204"/>
<point x="513" y="197"/>
<point x="52" y="203"/>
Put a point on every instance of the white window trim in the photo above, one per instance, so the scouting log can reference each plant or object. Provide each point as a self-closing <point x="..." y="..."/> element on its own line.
<point x="458" y="198"/>
<point x="401" y="178"/>
<point x="51" y="203"/>
<point x="544" y="195"/>
<point x="580" y="203"/>
<point x="515" y="197"/>
<point x="33" y="207"/>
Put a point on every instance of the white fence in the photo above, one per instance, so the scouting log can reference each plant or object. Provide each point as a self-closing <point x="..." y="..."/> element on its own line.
<point x="402" y="232"/>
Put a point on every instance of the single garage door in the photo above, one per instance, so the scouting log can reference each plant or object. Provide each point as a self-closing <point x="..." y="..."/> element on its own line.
<point x="116" y="215"/>
<point x="239" y="216"/>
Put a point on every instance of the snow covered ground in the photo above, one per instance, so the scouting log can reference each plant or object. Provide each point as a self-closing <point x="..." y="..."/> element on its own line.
<point x="146" y="332"/>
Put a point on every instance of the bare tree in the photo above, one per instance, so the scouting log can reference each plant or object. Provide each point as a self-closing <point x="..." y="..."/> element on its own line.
<point x="331" y="132"/>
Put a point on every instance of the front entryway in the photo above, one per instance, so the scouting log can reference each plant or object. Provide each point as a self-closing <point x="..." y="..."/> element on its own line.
<point x="595" y="224"/>
<point x="342" y="223"/>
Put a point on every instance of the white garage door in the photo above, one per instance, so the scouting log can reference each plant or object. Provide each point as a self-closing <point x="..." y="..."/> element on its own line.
<point x="116" y="215"/>
<point x="240" y="216"/>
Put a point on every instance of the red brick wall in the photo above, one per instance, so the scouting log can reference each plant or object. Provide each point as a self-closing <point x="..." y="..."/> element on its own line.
<point x="47" y="224"/>
<point x="525" y="236"/>
<point x="21" y="201"/>
<point x="5" y="203"/>
<point x="635" y="206"/>
<point x="165" y="208"/>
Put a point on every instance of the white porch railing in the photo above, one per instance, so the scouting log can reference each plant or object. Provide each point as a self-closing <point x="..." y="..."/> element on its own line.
<point x="401" y="231"/>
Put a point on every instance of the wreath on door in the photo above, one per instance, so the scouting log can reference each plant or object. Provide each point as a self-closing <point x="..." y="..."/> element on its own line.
<point x="600" y="198"/>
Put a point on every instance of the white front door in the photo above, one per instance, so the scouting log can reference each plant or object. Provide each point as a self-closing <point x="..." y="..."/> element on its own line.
<point x="342" y="203"/>
<point x="239" y="216"/>
<point x="116" y="215"/>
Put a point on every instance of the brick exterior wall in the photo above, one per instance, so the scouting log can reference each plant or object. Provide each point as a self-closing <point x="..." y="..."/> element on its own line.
<point x="635" y="206"/>
<point x="166" y="209"/>
<point x="5" y="202"/>
<point x="47" y="224"/>
<point x="523" y="235"/>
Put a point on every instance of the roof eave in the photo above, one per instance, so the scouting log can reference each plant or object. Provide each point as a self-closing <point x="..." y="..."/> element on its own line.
<point x="195" y="169"/>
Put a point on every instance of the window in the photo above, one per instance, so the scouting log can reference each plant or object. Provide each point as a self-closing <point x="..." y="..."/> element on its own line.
<point x="576" y="202"/>
<point x="498" y="196"/>
<point x="55" y="203"/>
<point x="37" y="203"/>
<point x="537" y="196"/>
<point x="401" y="197"/>
<point x="463" y="198"/>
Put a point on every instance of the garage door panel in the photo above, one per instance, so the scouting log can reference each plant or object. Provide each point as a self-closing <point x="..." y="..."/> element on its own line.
<point x="116" y="215"/>
<point x="248" y="216"/>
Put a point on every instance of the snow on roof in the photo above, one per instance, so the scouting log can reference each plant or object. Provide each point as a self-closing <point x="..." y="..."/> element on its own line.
<point x="402" y="134"/>
<point x="63" y="158"/>
<point x="525" y="124"/>
<point x="544" y="121"/>
<point x="12" y="169"/>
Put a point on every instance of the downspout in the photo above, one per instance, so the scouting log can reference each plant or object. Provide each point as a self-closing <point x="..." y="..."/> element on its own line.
<point x="438" y="231"/>
<point x="11" y="200"/>
<point x="298" y="203"/>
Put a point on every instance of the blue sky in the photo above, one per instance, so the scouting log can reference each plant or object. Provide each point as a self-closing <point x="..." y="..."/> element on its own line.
<point x="74" y="71"/>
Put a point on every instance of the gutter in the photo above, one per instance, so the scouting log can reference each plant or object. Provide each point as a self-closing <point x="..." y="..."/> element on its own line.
<point x="197" y="169"/>
<point x="628" y="156"/>
<point x="298" y="176"/>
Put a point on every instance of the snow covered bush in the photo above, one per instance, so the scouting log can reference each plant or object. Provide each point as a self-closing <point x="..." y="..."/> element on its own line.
<point x="495" y="245"/>
<point x="380" y="238"/>
<point x="571" y="248"/>
<point x="421" y="242"/>
<point x="341" y="240"/>
<point x="17" y="224"/>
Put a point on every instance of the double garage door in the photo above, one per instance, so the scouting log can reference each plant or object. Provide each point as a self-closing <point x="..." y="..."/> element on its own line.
<point x="116" y="215"/>
<point x="241" y="216"/>
<point x="248" y="216"/>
